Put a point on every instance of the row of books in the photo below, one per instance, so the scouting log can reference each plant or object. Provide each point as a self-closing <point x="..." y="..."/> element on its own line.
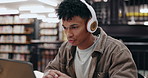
<point x="14" y="20"/>
<point x="48" y="38"/>
<point x="12" y="48"/>
<point x="48" y="32"/>
<point x="48" y="45"/>
<point x="12" y="29"/>
<point x="13" y="39"/>
<point x="47" y="25"/>
<point x="15" y="57"/>
<point x="22" y="57"/>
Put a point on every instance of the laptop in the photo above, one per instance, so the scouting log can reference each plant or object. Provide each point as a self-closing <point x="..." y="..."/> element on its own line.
<point x="16" y="69"/>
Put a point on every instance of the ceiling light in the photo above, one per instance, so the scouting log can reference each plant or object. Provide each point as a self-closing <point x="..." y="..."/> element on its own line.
<point x="4" y="12"/>
<point x="28" y="16"/>
<point x="49" y="2"/>
<point x="30" y="7"/>
<point x="41" y="17"/>
<point x="10" y="1"/>
<point x="52" y="15"/>
<point x="51" y="20"/>
<point x="45" y="10"/>
<point x="3" y="9"/>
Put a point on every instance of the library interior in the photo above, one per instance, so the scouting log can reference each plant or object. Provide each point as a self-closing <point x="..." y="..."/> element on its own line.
<point x="30" y="30"/>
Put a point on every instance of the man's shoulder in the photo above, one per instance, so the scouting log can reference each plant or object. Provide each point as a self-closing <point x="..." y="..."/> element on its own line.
<point x="115" y="42"/>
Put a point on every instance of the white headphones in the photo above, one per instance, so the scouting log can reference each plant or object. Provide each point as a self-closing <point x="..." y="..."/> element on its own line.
<point x="92" y="24"/>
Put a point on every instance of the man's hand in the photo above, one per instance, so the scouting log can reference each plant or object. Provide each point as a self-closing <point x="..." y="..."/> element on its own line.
<point x="55" y="74"/>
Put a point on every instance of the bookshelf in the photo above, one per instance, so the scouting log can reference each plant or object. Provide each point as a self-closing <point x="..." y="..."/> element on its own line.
<point x="15" y="37"/>
<point x="46" y="51"/>
<point x="48" y="44"/>
<point x="48" y="32"/>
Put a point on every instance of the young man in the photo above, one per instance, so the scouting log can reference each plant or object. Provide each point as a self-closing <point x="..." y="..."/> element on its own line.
<point x="85" y="55"/>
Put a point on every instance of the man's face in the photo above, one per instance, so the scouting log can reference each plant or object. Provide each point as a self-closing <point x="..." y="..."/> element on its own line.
<point x="76" y="31"/>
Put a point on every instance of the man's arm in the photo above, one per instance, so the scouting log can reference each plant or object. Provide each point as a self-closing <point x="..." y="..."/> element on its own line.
<point x="55" y="74"/>
<point x="123" y="65"/>
<point x="53" y="69"/>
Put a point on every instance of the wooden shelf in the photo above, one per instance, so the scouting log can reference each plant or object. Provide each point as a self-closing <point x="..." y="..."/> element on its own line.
<point x="48" y="34"/>
<point x="14" y="52"/>
<point x="50" y="42"/>
<point x="48" y="48"/>
<point x="21" y="52"/>
<point x="15" y="43"/>
<point x="15" y="33"/>
<point x="16" y="24"/>
<point x="2" y="52"/>
<point x="48" y="28"/>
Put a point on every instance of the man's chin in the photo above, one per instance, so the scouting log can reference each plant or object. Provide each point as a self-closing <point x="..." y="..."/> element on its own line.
<point x="73" y="44"/>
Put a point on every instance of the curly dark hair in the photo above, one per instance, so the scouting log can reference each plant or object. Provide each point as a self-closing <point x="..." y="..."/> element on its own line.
<point x="70" y="8"/>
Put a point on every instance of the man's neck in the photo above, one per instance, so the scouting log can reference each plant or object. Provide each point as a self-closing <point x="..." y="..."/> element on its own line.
<point x="88" y="42"/>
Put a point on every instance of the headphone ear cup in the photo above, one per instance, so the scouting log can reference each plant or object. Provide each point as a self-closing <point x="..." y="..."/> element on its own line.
<point x="91" y="25"/>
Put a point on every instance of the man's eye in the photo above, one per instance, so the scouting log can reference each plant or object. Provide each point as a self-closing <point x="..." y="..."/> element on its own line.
<point x="64" y="27"/>
<point x="74" y="27"/>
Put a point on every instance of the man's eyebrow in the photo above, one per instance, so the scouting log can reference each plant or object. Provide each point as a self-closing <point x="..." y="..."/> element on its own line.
<point x="74" y="24"/>
<point x="70" y="25"/>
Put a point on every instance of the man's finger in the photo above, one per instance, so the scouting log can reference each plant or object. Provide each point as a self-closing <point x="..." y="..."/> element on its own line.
<point x="58" y="72"/>
<point x="53" y="73"/>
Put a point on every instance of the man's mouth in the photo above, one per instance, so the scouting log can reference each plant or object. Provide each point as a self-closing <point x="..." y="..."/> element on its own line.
<point x="71" y="41"/>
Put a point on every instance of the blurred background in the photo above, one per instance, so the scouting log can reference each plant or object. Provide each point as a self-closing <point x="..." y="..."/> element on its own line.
<point x="30" y="30"/>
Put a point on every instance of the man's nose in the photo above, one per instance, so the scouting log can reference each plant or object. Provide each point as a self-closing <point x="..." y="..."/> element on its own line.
<point x="69" y="33"/>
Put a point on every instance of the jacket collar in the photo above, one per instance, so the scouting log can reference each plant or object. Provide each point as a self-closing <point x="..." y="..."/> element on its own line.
<point x="101" y="43"/>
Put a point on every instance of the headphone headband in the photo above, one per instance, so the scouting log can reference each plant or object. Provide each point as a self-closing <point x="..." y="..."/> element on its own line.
<point x="90" y="9"/>
<point x="93" y="23"/>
